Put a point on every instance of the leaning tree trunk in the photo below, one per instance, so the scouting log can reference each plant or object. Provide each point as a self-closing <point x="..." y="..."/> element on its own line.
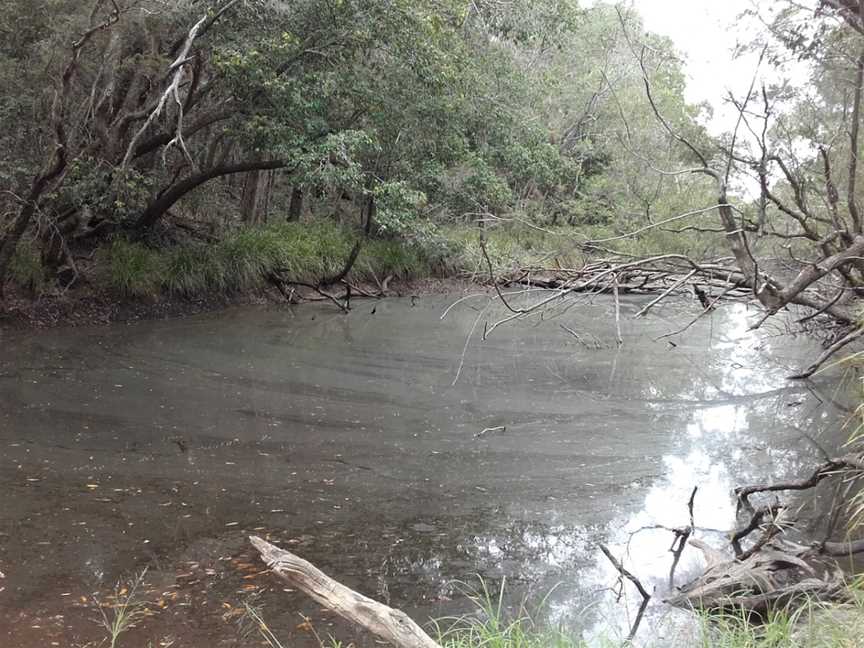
<point x="160" y="206"/>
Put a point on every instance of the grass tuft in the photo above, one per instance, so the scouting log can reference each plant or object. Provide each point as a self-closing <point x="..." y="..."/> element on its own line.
<point x="125" y="613"/>
<point x="130" y="269"/>
<point x="492" y="627"/>
<point x="26" y="267"/>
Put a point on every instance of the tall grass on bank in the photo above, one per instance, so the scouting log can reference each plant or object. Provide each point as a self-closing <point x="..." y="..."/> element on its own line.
<point x="309" y="251"/>
<point x="244" y="259"/>
<point x="492" y="627"/>
<point x="808" y="624"/>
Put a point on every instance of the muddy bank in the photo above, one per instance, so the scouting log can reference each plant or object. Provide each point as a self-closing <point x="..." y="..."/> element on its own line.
<point x="358" y="442"/>
<point x="87" y="307"/>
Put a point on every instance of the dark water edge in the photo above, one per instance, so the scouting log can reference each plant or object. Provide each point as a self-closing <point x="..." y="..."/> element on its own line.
<point x="162" y="445"/>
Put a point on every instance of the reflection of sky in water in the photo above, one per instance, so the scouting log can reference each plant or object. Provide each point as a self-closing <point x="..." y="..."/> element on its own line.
<point x="714" y="453"/>
<point x="732" y="418"/>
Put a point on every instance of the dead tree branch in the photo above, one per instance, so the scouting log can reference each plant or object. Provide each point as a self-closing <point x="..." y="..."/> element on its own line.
<point x="176" y="73"/>
<point x="832" y="467"/>
<point x="681" y="537"/>
<point x="642" y="591"/>
<point x="394" y="626"/>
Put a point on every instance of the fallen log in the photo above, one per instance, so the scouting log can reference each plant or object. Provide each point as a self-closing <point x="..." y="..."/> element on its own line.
<point x="394" y="626"/>
<point x="774" y="577"/>
<point x="773" y="572"/>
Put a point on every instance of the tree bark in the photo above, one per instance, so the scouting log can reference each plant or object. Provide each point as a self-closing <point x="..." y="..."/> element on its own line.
<point x="251" y="194"/>
<point x="394" y="626"/>
<point x="295" y="208"/>
<point x="371" y="212"/>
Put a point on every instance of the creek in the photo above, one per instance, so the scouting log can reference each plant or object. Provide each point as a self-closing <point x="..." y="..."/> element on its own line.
<point x="358" y="443"/>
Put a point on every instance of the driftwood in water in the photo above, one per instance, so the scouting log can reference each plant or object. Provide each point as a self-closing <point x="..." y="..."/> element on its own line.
<point x="772" y="572"/>
<point x="772" y="577"/>
<point x="394" y="626"/>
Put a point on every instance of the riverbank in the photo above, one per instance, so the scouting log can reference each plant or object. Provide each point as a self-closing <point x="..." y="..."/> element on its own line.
<point x="89" y="307"/>
<point x="186" y="271"/>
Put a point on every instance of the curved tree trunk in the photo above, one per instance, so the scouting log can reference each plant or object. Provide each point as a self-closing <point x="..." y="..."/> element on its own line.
<point x="157" y="209"/>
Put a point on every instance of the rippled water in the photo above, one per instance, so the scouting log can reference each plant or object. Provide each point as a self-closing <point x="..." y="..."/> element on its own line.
<point x="358" y="442"/>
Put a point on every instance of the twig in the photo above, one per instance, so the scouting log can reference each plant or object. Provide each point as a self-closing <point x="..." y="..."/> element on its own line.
<point x="681" y="538"/>
<point x="830" y="351"/>
<point x="822" y="471"/>
<point x="349" y="263"/>
<point x="626" y="574"/>
<point x="705" y="311"/>
<point x="495" y="281"/>
<point x="755" y="522"/>
<point x="490" y="430"/>
<point x="465" y="348"/>
<point x="619" y="339"/>
<point x="666" y="293"/>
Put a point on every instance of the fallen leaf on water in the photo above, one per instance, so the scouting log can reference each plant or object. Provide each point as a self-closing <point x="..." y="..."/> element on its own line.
<point x="92" y="486"/>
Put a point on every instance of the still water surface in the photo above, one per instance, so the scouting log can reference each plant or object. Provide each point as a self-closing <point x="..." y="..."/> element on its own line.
<point x="358" y="442"/>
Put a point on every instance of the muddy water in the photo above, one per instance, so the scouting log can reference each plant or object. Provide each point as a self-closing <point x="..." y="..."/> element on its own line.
<point x="358" y="441"/>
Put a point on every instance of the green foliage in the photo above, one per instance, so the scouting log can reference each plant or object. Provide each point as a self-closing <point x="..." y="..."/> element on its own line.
<point x="443" y="111"/>
<point x="398" y="207"/>
<point x="479" y="191"/>
<point x="91" y="184"/>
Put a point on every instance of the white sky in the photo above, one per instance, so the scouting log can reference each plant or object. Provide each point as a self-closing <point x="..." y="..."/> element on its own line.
<point x="706" y="32"/>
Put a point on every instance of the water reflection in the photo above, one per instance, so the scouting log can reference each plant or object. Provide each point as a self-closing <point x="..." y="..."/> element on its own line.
<point x="347" y="439"/>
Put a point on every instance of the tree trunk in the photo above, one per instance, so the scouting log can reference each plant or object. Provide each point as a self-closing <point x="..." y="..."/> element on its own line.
<point x="251" y="195"/>
<point x="295" y="209"/>
<point x="371" y="212"/>
<point x="156" y="209"/>
<point x="268" y="195"/>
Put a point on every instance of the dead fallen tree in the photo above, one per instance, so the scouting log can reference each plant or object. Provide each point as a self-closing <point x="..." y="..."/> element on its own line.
<point x="670" y="275"/>
<point x="773" y="572"/>
<point x="394" y="626"/>
<point x="773" y="577"/>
